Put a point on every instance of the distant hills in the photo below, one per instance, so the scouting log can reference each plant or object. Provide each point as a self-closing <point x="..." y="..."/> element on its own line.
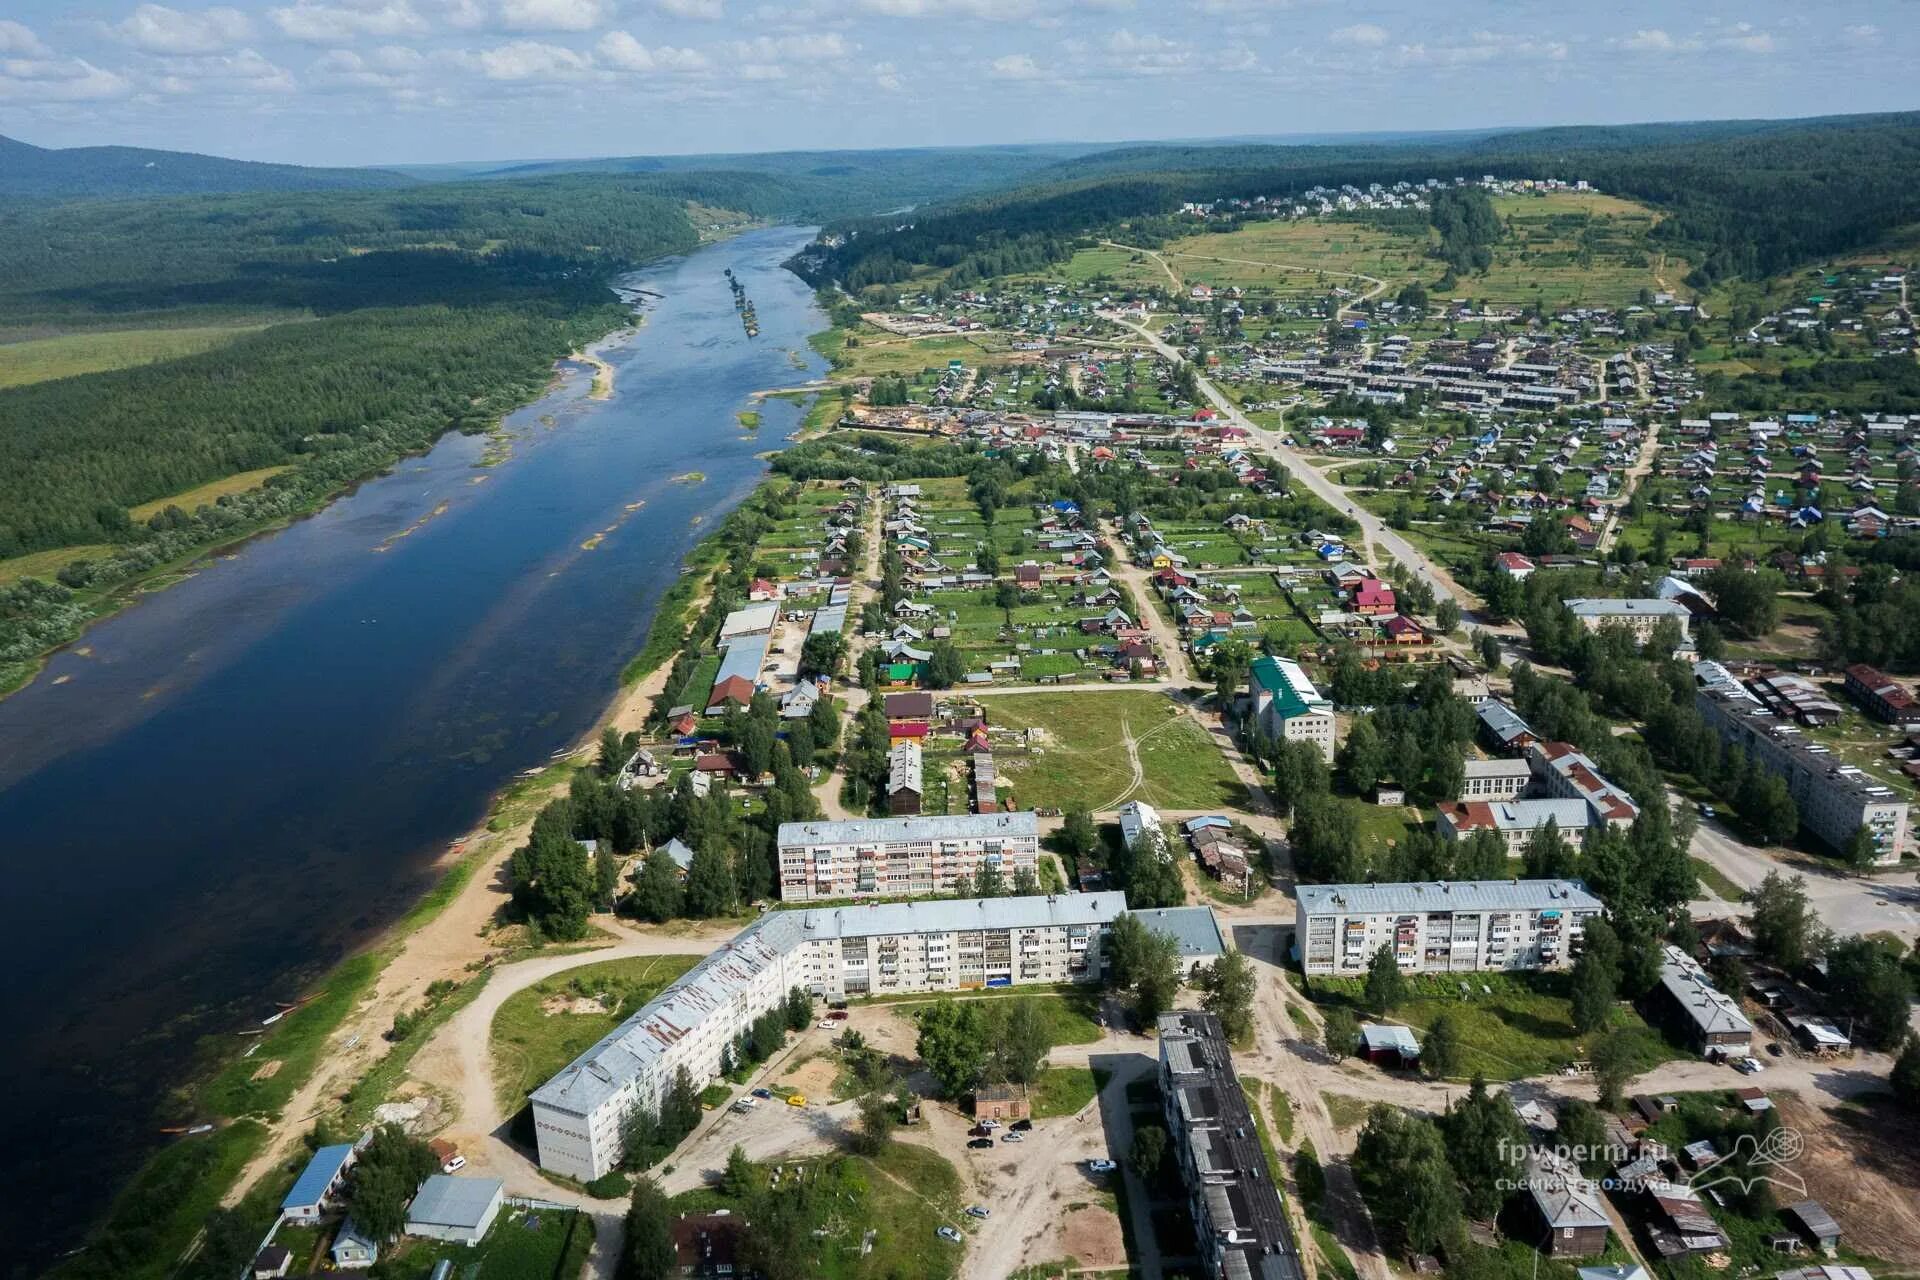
<point x="27" y="171"/>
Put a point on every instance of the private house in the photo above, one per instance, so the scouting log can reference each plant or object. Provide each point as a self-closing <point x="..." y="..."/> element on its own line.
<point x="459" y="1210"/>
<point x="905" y="786"/>
<point x="1568" y="1204"/>
<point x="1003" y="1102"/>
<point x="353" y="1249"/>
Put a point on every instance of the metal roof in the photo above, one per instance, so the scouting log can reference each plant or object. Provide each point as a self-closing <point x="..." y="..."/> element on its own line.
<point x="310" y="1188"/>
<point x="930" y="827"/>
<point x="1712" y="1011"/>
<point x="1445" y="895"/>
<point x="448" y="1201"/>
<point x="1635" y="608"/>
<point x="1194" y="928"/>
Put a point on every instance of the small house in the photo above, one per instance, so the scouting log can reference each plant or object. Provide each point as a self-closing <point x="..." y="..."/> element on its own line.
<point x="1389" y="1045"/>
<point x="1569" y="1204"/>
<point x="459" y="1210"/>
<point x="353" y="1249"/>
<point x="316" y="1184"/>
<point x="1005" y="1102"/>
<point x="1811" y="1219"/>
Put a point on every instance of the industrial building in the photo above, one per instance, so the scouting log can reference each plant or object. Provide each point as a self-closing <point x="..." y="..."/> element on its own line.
<point x="833" y="952"/>
<point x="1835" y="799"/>
<point x="1443" y="926"/>
<point x="901" y="856"/>
<point x="1239" y="1225"/>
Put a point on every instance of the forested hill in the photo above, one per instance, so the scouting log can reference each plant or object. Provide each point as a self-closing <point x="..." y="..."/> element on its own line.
<point x="31" y="172"/>
<point x="1744" y="198"/>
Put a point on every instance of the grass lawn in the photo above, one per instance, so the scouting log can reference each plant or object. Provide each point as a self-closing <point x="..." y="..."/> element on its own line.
<point x="1282" y="1106"/>
<point x="1061" y="1091"/>
<point x="1069" y="1015"/>
<point x="1345" y="1111"/>
<point x="205" y="495"/>
<point x="44" y="359"/>
<point x="525" y="1244"/>
<point x="45" y="564"/>
<point x="1717" y="881"/>
<point x="1083" y="761"/>
<point x="1382" y="826"/>
<point x="1522" y="1025"/>
<point x="539" y="1030"/>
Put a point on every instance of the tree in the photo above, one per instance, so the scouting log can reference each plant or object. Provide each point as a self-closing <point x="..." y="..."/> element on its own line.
<point x="1548" y="856"/>
<point x="1363" y="757"/>
<point x="1582" y="1134"/>
<point x="1020" y="1040"/>
<point x="648" y="1252"/>
<point x="552" y="877"/>
<point x="989" y="883"/>
<point x="944" y="668"/>
<point x="1786" y="929"/>
<point x="1078" y="836"/>
<point x="1148" y="1153"/>
<point x="1486" y="1146"/>
<point x="1489" y="650"/>
<point x="1596" y="977"/>
<point x="879" y="1113"/>
<point x="1441" y="1054"/>
<point x="1446" y="615"/>
<point x="799" y="1009"/>
<point x="1905" y="1077"/>
<point x="1025" y="882"/>
<point x="1339" y="1033"/>
<point x="1227" y="987"/>
<point x="739" y="1179"/>
<point x="1613" y="1065"/>
<point x="613" y="752"/>
<point x="710" y="887"/>
<point x="1401" y="1166"/>
<point x="1865" y="980"/>
<point x="1386" y="985"/>
<point x="1146" y="962"/>
<point x="389" y="1171"/>
<point x="657" y="895"/>
<point x="952" y="1044"/>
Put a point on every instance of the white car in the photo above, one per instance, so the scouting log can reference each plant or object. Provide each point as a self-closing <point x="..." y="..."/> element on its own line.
<point x="745" y="1104"/>
<point x="989" y="1125"/>
<point x="1750" y="1066"/>
<point x="977" y="1211"/>
<point x="826" y="1025"/>
<point x="1101" y="1166"/>
<point x="948" y="1233"/>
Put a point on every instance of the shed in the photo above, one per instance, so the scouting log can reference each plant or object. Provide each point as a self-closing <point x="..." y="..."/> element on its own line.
<point x="1390" y="1045"/>
<point x="1813" y="1221"/>
<point x="273" y="1261"/>
<point x="352" y="1249"/>
<point x="1001" y="1102"/>
<point x="456" y="1209"/>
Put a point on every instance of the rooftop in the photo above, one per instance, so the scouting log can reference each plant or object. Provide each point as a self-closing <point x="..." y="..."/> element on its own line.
<point x="1631" y="608"/>
<point x="1712" y="1011"/>
<point x="1193" y="928"/>
<point x="1293" y="692"/>
<point x="1445" y="895"/>
<point x="925" y="828"/>
<point x="448" y="1201"/>
<point x="311" y="1186"/>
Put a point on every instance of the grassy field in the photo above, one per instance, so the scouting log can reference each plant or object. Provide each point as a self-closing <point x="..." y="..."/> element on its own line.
<point x="879" y="352"/>
<point x="523" y="1245"/>
<point x="1521" y="1026"/>
<point x="1345" y="1111"/>
<point x="1061" y="1091"/>
<point x="1069" y="1015"/>
<point x="45" y="564"/>
<point x="1715" y="880"/>
<point x="1083" y="761"/>
<point x="44" y="359"/>
<point x="207" y="494"/>
<point x="539" y="1030"/>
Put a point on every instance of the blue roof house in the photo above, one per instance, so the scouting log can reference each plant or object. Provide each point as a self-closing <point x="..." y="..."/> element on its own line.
<point x="316" y="1183"/>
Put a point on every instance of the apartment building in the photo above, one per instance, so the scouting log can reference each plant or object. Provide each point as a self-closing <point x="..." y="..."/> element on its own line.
<point x="1240" y="1228"/>
<point x="1835" y="799"/>
<point x="834" y="952"/>
<point x="1709" y="1018"/>
<point x="1286" y="705"/>
<point x="1881" y="696"/>
<point x="1443" y="926"/>
<point x="1639" y="616"/>
<point x="901" y="856"/>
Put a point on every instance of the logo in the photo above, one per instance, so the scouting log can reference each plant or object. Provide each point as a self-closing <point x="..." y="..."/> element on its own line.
<point x="1752" y="1162"/>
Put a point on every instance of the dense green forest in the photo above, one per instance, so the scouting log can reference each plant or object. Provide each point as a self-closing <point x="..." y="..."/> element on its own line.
<point x="76" y="172"/>
<point x="1741" y="198"/>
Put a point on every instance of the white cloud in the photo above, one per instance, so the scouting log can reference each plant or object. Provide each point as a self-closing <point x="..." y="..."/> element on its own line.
<point x="761" y="71"/>
<point x="529" y="60"/>
<point x="158" y="29"/>
<point x="245" y="71"/>
<point x="463" y="15"/>
<point x="1862" y="31"/>
<point x="339" y="23"/>
<point x="1366" y="35"/>
<point x="391" y="67"/>
<point x="702" y="10"/>
<point x="886" y="76"/>
<point x="1014" y="66"/>
<point x="553" y="15"/>
<point x="1481" y="48"/>
<point x="1652" y="40"/>
<point x="989" y="10"/>
<point x="1747" y="39"/>
<point x="16" y="39"/>
<point x="619" y="50"/>
<point x="38" y="80"/>
<point x="818" y="46"/>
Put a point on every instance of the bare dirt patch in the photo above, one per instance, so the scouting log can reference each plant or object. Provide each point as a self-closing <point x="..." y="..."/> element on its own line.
<point x="814" y="1077"/>
<point x="1092" y="1236"/>
<point x="556" y="1004"/>
<point x="267" y="1070"/>
<point x="1862" y="1163"/>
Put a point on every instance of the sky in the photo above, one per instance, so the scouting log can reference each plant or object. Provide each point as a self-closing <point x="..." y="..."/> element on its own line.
<point x="343" y="82"/>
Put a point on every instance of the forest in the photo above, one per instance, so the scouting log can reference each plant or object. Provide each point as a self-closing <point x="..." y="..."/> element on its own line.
<point x="1741" y="198"/>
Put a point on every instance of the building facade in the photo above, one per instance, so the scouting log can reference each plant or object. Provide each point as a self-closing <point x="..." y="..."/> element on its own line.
<point x="1880" y="695"/>
<point x="901" y="856"/>
<point x="1287" y="706"/>
<point x="1491" y="780"/>
<point x="1442" y="926"/>
<point x="1638" y="616"/>
<point x="834" y="952"/>
<point x="1240" y="1228"/>
<point x="1835" y="799"/>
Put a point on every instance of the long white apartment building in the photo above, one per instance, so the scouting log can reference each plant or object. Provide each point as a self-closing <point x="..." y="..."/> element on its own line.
<point x="1442" y="926"/>
<point x="901" y="857"/>
<point x="1835" y="799"/>
<point x="834" y="952"/>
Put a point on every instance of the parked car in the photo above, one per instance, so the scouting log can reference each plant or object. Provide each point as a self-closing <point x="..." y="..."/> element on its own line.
<point x="828" y="1024"/>
<point x="1773" y="1047"/>
<point x="1101" y="1166"/>
<point x="977" y="1211"/>
<point x="948" y="1233"/>
<point x="763" y="1093"/>
<point x="1707" y="811"/>
<point x="980" y="1144"/>
<point x="1013" y="1137"/>
<point x="838" y="1015"/>
<point x="796" y="1099"/>
<point x="989" y="1125"/>
<point x="1022" y="1126"/>
<point x="745" y="1104"/>
<point x="979" y="1131"/>
<point x="1749" y="1066"/>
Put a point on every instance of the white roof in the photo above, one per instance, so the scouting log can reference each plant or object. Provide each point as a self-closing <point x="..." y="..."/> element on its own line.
<point x="1444" y="895"/>
<point x="1712" y="1011"/>
<point x="928" y="827"/>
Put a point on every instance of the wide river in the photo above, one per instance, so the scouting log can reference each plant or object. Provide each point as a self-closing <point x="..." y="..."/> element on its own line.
<point x="226" y="788"/>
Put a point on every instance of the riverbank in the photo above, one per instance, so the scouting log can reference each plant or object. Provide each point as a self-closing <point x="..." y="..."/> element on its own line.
<point x="332" y="1055"/>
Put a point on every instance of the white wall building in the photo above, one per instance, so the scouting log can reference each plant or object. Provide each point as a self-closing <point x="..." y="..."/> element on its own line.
<point x="1443" y="926"/>
<point x="901" y="857"/>
<point x="836" y="952"/>
<point x="1288" y="707"/>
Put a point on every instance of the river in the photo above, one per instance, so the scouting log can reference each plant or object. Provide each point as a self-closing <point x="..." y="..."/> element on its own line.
<point x="221" y="791"/>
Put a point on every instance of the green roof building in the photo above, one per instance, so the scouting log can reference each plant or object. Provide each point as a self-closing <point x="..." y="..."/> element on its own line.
<point x="1287" y="706"/>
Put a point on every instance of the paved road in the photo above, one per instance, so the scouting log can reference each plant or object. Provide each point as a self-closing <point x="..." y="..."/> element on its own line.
<point x="1887" y="901"/>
